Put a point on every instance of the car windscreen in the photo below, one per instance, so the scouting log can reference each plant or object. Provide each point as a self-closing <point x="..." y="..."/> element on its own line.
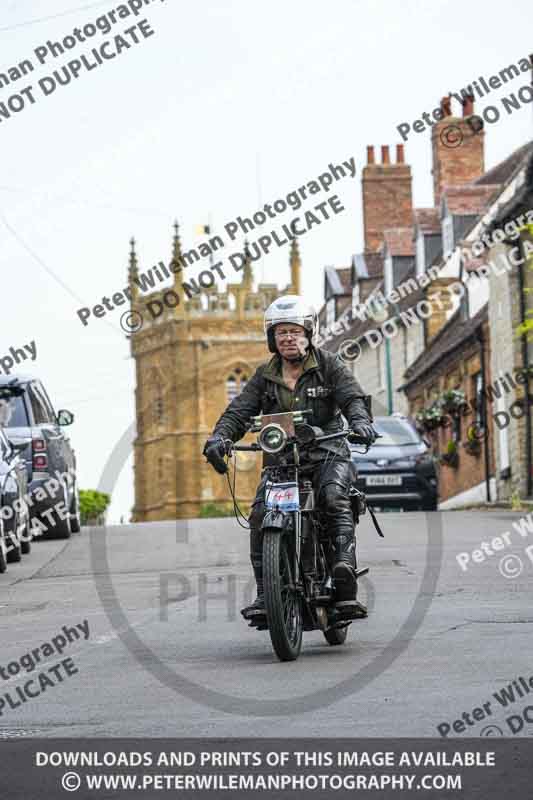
<point x="394" y="432"/>
<point x="12" y="411"/>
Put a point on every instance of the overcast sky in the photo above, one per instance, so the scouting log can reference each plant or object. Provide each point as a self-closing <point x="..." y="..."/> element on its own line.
<point x="229" y="102"/>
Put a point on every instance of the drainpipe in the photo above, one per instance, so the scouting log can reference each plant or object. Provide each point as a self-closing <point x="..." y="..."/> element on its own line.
<point x="388" y="365"/>
<point x="389" y="376"/>
<point x="525" y="365"/>
<point x="481" y="341"/>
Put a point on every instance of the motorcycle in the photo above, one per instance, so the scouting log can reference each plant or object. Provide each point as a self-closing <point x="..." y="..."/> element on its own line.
<point x="298" y="554"/>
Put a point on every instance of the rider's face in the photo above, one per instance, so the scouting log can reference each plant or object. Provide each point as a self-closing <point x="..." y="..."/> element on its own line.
<point x="291" y="340"/>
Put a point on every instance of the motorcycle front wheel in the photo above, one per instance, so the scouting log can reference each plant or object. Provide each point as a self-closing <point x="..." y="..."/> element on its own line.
<point x="283" y="604"/>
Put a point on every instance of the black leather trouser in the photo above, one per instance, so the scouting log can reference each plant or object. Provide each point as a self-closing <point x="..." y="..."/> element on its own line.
<point x="331" y="481"/>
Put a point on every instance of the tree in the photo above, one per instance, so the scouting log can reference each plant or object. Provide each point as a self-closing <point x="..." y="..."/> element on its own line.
<point x="92" y="506"/>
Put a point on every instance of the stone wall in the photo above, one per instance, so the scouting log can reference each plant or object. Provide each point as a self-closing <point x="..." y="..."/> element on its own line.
<point x="506" y="357"/>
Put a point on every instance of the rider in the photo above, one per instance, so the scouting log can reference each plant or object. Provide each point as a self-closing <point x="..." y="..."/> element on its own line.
<point x="301" y="376"/>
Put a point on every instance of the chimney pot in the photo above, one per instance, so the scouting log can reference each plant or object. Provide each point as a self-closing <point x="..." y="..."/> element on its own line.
<point x="385" y="159"/>
<point x="370" y="154"/>
<point x="399" y="153"/>
<point x="446" y="106"/>
<point x="468" y="105"/>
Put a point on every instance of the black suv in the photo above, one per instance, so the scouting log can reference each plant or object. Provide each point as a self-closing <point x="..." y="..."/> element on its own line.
<point x="26" y="414"/>
<point x="398" y="471"/>
<point x="15" y="534"/>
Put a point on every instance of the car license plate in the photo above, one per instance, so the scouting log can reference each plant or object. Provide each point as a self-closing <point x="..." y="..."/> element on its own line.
<point x="283" y="496"/>
<point x="384" y="480"/>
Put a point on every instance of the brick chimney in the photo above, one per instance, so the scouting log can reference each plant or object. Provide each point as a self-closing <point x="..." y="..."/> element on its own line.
<point x="387" y="196"/>
<point x="458" y="152"/>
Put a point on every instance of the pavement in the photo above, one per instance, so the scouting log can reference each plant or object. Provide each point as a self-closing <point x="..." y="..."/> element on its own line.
<point x="168" y="653"/>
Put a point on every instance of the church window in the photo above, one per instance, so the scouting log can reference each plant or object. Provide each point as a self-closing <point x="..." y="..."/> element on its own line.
<point x="158" y="406"/>
<point x="235" y="383"/>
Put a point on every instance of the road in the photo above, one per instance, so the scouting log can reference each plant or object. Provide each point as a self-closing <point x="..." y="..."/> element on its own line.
<point x="169" y="655"/>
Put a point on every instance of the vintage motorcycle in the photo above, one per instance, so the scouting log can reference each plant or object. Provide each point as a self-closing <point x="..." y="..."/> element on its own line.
<point x="298" y="554"/>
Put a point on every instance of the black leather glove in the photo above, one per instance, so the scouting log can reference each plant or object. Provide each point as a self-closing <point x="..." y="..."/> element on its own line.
<point x="215" y="450"/>
<point x="363" y="430"/>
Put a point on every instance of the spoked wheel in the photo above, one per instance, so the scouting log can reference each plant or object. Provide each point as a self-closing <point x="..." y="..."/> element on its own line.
<point x="283" y="604"/>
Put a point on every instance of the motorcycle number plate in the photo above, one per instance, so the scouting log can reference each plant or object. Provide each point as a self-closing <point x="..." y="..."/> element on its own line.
<point x="283" y="496"/>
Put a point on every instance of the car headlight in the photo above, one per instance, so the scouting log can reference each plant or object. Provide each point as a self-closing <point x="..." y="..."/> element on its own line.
<point x="272" y="438"/>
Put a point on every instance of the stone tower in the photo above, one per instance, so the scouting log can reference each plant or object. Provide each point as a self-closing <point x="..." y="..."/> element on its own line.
<point x="190" y="361"/>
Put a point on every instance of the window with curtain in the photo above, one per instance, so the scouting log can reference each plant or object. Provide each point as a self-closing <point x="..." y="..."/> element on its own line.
<point x="420" y="254"/>
<point x="477" y="384"/>
<point x="447" y="235"/>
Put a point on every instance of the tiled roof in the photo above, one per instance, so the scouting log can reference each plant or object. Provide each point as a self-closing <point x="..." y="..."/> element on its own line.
<point x="468" y="200"/>
<point x="449" y="338"/>
<point x="503" y="171"/>
<point x="427" y="219"/>
<point x="368" y="265"/>
<point x="374" y="264"/>
<point x="473" y="262"/>
<point x="345" y="277"/>
<point x="522" y="199"/>
<point x="359" y="327"/>
<point x="339" y="279"/>
<point x="399" y="241"/>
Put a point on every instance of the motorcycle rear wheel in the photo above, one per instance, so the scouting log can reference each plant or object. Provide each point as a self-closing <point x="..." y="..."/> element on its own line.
<point x="283" y="605"/>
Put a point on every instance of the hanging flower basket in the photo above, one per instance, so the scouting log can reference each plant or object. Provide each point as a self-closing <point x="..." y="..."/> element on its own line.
<point x="450" y="457"/>
<point x="429" y="419"/>
<point x="451" y="401"/>
<point x="472" y="447"/>
<point x="472" y="444"/>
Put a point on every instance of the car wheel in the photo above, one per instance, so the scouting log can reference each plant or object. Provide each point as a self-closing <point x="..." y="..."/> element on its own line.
<point x="14" y="552"/>
<point x="25" y="539"/>
<point x="61" y="528"/>
<point x="75" y="517"/>
<point x="3" y="559"/>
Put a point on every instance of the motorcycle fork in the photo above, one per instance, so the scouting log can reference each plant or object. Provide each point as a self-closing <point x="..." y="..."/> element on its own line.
<point x="297" y="538"/>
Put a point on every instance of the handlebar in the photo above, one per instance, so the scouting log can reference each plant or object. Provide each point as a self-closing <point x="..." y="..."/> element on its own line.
<point x="340" y="434"/>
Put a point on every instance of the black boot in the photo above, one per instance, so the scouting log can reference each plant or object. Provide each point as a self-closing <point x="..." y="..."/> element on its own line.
<point x="258" y="606"/>
<point x="344" y="573"/>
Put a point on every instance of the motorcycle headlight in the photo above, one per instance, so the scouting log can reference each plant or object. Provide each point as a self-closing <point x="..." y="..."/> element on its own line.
<point x="272" y="439"/>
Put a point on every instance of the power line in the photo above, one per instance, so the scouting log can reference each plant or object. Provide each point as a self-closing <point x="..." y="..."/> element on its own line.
<point x="47" y="269"/>
<point x="68" y="201"/>
<point x="53" y="16"/>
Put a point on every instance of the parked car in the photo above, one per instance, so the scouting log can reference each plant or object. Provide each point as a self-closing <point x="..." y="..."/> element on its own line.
<point x="27" y="415"/>
<point x="15" y="530"/>
<point x="398" y="471"/>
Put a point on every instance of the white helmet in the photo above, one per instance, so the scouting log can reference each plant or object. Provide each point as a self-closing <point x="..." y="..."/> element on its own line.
<point x="290" y="308"/>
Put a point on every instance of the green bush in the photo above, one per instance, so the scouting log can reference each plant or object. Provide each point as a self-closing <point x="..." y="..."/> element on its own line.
<point x="92" y="505"/>
<point x="221" y="510"/>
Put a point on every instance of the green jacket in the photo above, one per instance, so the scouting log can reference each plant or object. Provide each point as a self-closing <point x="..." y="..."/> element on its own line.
<point x="326" y="387"/>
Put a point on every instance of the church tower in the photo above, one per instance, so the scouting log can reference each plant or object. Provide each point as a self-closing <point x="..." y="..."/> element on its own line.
<point x="193" y="353"/>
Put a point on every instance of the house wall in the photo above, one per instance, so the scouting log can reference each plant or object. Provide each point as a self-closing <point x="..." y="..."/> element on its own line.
<point x="506" y="356"/>
<point x="456" y="371"/>
<point x="371" y="370"/>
